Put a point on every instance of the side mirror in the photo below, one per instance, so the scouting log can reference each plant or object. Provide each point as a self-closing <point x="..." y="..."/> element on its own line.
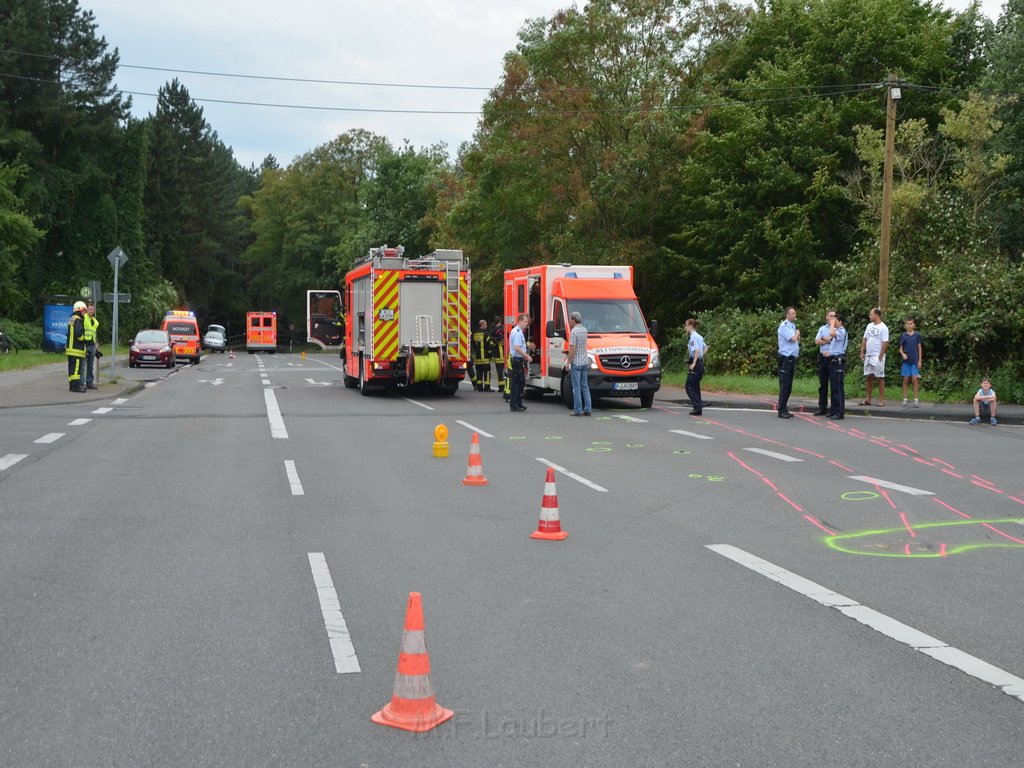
<point x="549" y="330"/>
<point x="654" y="328"/>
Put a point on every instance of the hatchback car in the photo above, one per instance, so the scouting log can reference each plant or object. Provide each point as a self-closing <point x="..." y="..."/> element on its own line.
<point x="151" y="347"/>
<point x="214" y="341"/>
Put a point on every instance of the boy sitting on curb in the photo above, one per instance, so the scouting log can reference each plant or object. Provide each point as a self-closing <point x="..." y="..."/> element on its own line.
<point x="985" y="400"/>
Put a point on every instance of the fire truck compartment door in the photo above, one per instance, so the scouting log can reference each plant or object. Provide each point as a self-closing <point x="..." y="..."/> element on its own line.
<point x="421" y="321"/>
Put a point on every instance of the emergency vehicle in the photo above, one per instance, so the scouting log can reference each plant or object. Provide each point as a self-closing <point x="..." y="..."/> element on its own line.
<point x="183" y="328"/>
<point x="406" y="320"/>
<point x="624" y="358"/>
<point x="261" y="332"/>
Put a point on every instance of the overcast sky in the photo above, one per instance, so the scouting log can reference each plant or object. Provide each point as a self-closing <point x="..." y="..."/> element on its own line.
<point x="419" y="42"/>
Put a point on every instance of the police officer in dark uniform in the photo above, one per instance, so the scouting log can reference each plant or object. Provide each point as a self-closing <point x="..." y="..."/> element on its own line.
<point x="75" y="348"/>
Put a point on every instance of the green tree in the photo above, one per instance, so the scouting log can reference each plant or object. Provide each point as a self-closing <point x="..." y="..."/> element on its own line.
<point x="18" y="236"/>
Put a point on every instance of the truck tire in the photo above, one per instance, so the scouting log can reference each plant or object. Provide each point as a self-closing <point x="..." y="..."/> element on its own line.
<point x="351" y="382"/>
<point x="567" y="391"/>
<point x="364" y="388"/>
<point x="647" y="399"/>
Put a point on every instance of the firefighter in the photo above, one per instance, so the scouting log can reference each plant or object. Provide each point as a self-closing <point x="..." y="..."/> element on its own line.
<point x="91" y="353"/>
<point x="76" y="347"/>
<point x="498" y="351"/>
<point x="481" y="353"/>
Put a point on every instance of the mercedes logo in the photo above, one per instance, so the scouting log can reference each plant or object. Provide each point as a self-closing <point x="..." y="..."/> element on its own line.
<point x="624" y="362"/>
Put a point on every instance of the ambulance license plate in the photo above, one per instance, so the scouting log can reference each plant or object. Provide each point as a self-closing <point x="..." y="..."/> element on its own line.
<point x="625" y="385"/>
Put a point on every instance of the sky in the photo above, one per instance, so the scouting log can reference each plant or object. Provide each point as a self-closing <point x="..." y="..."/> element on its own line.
<point x="455" y="43"/>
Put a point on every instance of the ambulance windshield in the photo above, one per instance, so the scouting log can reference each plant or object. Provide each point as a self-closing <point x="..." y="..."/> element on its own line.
<point x="610" y="315"/>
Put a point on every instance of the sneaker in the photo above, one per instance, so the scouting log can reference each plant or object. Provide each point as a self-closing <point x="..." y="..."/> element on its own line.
<point x="917" y="403"/>
<point x="993" y="422"/>
<point x="904" y="404"/>
<point x="975" y="420"/>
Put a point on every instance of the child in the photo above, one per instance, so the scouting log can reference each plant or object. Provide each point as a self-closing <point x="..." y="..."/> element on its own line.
<point x="912" y="352"/>
<point x="985" y="400"/>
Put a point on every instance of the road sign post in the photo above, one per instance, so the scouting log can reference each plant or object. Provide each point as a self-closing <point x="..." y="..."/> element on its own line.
<point x="116" y="257"/>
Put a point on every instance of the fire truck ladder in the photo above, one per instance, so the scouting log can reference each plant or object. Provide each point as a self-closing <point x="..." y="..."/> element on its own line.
<point x="452" y="304"/>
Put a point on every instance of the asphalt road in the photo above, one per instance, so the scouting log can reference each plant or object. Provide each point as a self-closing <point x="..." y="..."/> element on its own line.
<point x="736" y="589"/>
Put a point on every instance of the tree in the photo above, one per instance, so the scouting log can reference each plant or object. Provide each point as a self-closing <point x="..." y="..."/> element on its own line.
<point x="18" y="236"/>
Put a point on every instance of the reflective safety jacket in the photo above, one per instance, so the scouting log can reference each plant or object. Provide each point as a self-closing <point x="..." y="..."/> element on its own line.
<point x="498" y="344"/>
<point x="76" y="336"/>
<point x="481" y="350"/>
<point x="92" y="326"/>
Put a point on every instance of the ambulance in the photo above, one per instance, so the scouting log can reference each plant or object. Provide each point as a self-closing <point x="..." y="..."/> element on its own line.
<point x="261" y="332"/>
<point x="624" y="358"/>
<point x="183" y="328"/>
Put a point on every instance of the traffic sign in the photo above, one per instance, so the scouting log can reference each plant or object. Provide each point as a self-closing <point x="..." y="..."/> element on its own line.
<point x="124" y="298"/>
<point x="117" y="257"/>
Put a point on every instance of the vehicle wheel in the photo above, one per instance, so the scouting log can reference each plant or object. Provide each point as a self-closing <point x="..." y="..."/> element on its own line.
<point x="351" y="382"/>
<point x="170" y="363"/>
<point x="567" y="391"/>
<point x="195" y="361"/>
<point x="251" y="351"/>
<point x="131" y="364"/>
<point x="647" y="399"/>
<point x="364" y="388"/>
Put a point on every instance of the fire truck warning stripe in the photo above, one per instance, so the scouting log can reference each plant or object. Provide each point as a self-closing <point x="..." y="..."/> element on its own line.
<point x="337" y="630"/>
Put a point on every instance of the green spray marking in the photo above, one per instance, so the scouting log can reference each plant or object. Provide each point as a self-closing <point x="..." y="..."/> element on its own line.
<point x="553" y="437"/>
<point x="599" y="450"/>
<point x="841" y="542"/>
<point x="692" y="475"/>
<point x="517" y="437"/>
<point x="715" y="478"/>
<point x="682" y="453"/>
<point x="859" y="495"/>
<point x="600" y="442"/>
<point x="634" y="445"/>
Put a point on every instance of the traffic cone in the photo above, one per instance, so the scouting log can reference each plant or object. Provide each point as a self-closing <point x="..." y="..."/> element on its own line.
<point x="475" y="467"/>
<point x="549" y="527"/>
<point x="412" y="706"/>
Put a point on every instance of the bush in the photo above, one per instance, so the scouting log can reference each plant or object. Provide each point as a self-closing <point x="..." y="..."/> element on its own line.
<point x="23" y="335"/>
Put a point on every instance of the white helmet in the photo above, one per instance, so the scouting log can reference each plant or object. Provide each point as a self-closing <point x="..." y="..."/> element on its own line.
<point x="79" y="307"/>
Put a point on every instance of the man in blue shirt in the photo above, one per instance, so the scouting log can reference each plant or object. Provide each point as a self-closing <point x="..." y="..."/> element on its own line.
<point x="912" y="353"/>
<point x="520" y="357"/>
<point x="789" y="351"/>
<point x="837" y="340"/>
<point x="696" y="347"/>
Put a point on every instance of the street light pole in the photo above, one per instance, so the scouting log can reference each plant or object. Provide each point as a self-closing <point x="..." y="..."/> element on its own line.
<point x="892" y="95"/>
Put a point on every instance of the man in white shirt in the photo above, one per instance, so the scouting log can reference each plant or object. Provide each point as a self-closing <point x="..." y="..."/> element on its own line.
<point x="873" y="346"/>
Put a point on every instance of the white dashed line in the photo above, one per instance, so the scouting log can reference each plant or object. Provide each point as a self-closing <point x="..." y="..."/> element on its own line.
<point x="891" y="486"/>
<point x="277" y="428"/>
<point x="897" y="630"/>
<point x="634" y="419"/>
<point x="416" y="402"/>
<point x="52" y="437"/>
<point x="691" y="434"/>
<point x="103" y="410"/>
<point x="773" y="454"/>
<point x="337" y="631"/>
<point x="470" y="427"/>
<point x="573" y="475"/>
<point x="8" y="461"/>
<point x="120" y="401"/>
<point x="79" y="422"/>
<point x="293" y="478"/>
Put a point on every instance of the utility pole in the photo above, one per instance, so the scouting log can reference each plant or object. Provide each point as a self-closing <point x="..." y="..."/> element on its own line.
<point x="892" y="95"/>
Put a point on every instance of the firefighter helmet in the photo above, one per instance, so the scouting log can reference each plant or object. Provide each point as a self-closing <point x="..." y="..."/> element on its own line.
<point x="79" y="306"/>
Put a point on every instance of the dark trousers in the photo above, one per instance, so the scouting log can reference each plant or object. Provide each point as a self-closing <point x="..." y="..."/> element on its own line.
<point x="837" y="380"/>
<point x="90" y="364"/>
<point x="693" y="384"/>
<point x="518" y="383"/>
<point x="824" y="376"/>
<point x="787" y="367"/>
<point x="75" y="383"/>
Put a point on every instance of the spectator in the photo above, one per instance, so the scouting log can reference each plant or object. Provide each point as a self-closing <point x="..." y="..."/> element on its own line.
<point x="985" y="400"/>
<point x="912" y="352"/>
<point x="823" y="341"/>
<point x="578" y="363"/>
<point x="789" y="351"/>
<point x="873" y="346"/>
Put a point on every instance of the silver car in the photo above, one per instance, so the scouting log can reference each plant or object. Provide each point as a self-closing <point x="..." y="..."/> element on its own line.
<point x="215" y="341"/>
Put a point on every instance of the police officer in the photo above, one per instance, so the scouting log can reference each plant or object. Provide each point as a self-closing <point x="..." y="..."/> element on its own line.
<point x="822" y="341"/>
<point x="91" y="328"/>
<point x="482" y="357"/>
<point x="837" y="365"/>
<point x="75" y="348"/>
<point x="789" y="351"/>
<point x="695" y="366"/>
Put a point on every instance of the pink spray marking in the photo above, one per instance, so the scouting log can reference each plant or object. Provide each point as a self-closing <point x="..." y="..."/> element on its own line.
<point x="815" y="521"/>
<point x="986" y="487"/>
<point x="923" y="461"/>
<point x="951" y="473"/>
<point x="942" y="550"/>
<point x="809" y="453"/>
<point x="841" y="466"/>
<point x="952" y="509"/>
<point x="876" y="441"/>
<point x="1019" y="501"/>
<point x="899" y="452"/>
<point x="885" y="495"/>
<point x="906" y="524"/>
<point x="747" y="467"/>
<point x="937" y="460"/>
<point x="996" y="530"/>
<point x="906" y="447"/>
<point x="769" y="483"/>
<point x="906" y="550"/>
<point x="775" y="442"/>
<point x="794" y="505"/>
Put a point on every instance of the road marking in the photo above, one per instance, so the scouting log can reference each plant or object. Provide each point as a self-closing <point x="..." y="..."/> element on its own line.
<point x="691" y="434"/>
<point x="103" y="410"/>
<point x="50" y="438"/>
<point x="773" y="454"/>
<point x="337" y="631"/>
<point x="314" y="382"/>
<point x="293" y="478"/>
<point x="120" y="401"/>
<point x="469" y="426"/>
<point x="630" y="418"/>
<point x="573" y="475"/>
<point x="890" y="486"/>
<point x="897" y="630"/>
<point x="8" y="461"/>
<point x="216" y="382"/>
<point x="78" y="422"/>
<point x="416" y="402"/>
<point x="277" y="428"/>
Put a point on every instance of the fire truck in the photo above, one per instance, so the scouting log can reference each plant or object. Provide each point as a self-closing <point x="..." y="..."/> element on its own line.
<point x="406" y="320"/>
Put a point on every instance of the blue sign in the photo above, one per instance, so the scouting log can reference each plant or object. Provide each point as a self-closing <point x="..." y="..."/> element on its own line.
<point x="55" y="326"/>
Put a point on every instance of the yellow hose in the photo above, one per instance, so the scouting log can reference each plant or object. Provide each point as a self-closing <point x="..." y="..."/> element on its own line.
<point x="426" y="368"/>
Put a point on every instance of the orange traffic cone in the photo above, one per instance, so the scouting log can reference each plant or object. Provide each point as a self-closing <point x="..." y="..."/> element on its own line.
<point x="549" y="527"/>
<point x="475" y="467"/>
<point x="412" y="706"/>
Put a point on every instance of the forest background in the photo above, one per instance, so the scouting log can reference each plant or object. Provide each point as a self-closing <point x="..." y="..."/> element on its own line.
<point x="732" y="153"/>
